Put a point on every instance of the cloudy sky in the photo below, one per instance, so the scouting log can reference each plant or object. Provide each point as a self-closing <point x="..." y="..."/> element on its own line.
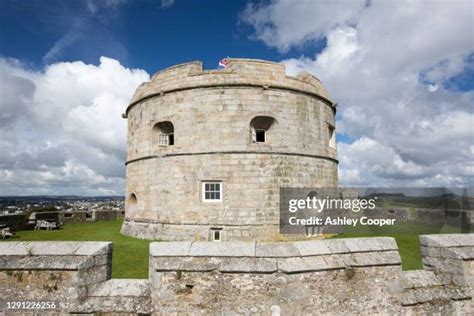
<point x="402" y="73"/>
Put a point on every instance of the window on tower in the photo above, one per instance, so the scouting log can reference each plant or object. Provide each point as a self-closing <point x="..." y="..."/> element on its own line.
<point x="215" y="234"/>
<point x="332" y="136"/>
<point x="260" y="127"/>
<point x="163" y="133"/>
<point x="212" y="191"/>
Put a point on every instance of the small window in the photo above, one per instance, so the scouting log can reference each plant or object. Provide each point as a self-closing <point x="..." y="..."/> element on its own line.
<point x="216" y="234"/>
<point x="163" y="133"/>
<point x="332" y="136"/>
<point x="212" y="191"/>
<point x="259" y="135"/>
<point x="260" y="126"/>
<point x="163" y="140"/>
<point x="132" y="199"/>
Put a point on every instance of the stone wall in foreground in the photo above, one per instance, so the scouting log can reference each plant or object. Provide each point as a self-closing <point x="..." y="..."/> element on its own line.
<point x="338" y="276"/>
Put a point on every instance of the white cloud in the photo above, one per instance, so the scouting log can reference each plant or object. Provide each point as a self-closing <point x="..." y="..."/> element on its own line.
<point x="388" y="64"/>
<point x="166" y="3"/>
<point x="62" y="130"/>
<point x="286" y="23"/>
<point x="94" y="6"/>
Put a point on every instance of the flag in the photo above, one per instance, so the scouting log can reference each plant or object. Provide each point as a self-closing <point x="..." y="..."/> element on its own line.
<point x="223" y="62"/>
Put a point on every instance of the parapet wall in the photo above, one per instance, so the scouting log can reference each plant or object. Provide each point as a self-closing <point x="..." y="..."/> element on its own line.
<point x="239" y="72"/>
<point x="338" y="276"/>
<point x="58" y="272"/>
<point x="299" y="278"/>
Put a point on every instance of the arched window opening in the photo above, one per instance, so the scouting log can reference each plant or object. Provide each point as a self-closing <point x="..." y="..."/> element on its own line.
<point x="332" y="136"/>
<point x="132" y="199"/>
<point x="259" y="126"/>
<point x="164" y="133"/>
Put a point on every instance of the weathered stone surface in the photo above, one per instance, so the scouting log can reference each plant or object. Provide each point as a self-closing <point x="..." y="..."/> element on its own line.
<point x="55" y="248"/>
<point x="297" y="278"/>
<point x="312" y="247"/>
<point x="119" y="296"/>
<point x="59" y="255"/>
<point x="14" y="249"/>
<point x="370" y="244"/>
<point x="226" y="249"/>
<point x="448" y="240"/>
<point x="302" y="264"/>
<point x="121" y="287"/>
<point x="173" y="249"/>
<point x="276" y="249"/>
<point x="46" y="262"/>
<point x="376" y="258"/>
<point x="256" y="265"/>
<point x="419" y="278"/>
<point x="187" y="263"/>
<point x="337" y="245"/>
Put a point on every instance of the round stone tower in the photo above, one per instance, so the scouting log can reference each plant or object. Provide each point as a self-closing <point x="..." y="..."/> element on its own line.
<point x="208" y="150"/>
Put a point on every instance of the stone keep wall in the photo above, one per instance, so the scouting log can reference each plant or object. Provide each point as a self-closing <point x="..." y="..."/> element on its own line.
<point x="211" y="113"/>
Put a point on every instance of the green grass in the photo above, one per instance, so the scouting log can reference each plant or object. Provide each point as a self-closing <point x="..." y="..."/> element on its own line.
<point x="130" y="255"/>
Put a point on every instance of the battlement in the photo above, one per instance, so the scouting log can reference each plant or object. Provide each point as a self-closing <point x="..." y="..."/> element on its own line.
<point x="360" y="275"/>
<point x="272" y="257"/>
<point x="239" y="72"/>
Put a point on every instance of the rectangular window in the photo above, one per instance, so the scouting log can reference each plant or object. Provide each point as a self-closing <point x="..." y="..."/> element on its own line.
<point x="163" y="140"/>
<point x="171" y="139"/>
<point x="217" y="235"/>
<point x="260" y="135"/>
<point x="212" y="191"/>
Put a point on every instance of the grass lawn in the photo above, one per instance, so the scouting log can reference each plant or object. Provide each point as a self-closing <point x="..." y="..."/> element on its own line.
<point x="130" y="255"/>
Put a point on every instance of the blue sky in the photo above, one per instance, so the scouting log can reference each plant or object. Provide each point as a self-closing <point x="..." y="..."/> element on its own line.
<point x="141" y="34"/>
<point x="402" y="73"/>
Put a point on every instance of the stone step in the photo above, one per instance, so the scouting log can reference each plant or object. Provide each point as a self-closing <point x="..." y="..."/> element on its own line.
<point x="119" y="296"/>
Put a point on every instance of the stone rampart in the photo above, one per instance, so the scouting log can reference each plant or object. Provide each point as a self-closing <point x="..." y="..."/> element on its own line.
<point x="239" y="72"/>
<point x="338" y="276"/>
<point x="15" y="222"/>
<point x="107" y="215"/>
